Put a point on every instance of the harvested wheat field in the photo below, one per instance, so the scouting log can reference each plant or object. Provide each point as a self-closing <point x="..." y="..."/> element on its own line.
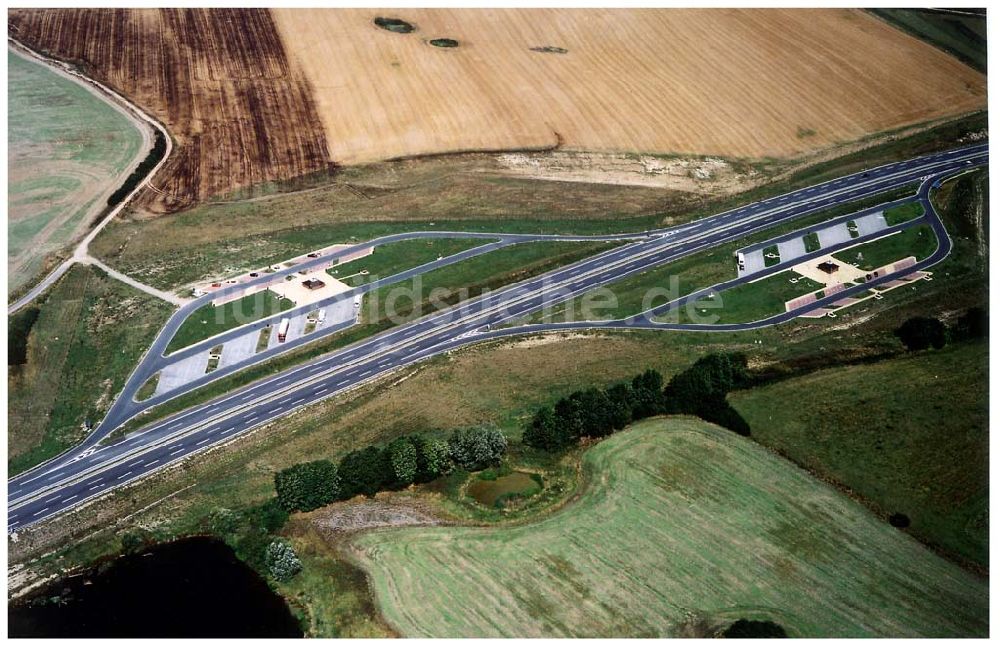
<point x="681" y="525"/>
<point x="741" y="83"/>
<point x="219" y="80"/>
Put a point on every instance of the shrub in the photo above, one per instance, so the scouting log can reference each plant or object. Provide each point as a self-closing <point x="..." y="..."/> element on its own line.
<point x="281" y="561"/>
<point x="403" y="458"/>
<point x="18" y="329"/>
<point x="920" y="332"/>
<point x="365" y="472"/>
<point x="899" y="520"/>
<point x="973" y="324"/>
<point x="433" y="458"/>
<point x="477" y="447"/>
<point x="147" y="164"/>
<point x="306" y="486"/>
<point x="270" y="515"/>
<point x="647" y="394"/>
<point x="744" y="628"/>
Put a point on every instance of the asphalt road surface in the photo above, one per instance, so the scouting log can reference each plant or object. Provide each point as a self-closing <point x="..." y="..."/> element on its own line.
<point x="91" y="470"/>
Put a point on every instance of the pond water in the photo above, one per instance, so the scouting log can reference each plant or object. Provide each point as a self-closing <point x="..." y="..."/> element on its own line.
<point x="194" y="588"/>
<point x="516" y="483"/>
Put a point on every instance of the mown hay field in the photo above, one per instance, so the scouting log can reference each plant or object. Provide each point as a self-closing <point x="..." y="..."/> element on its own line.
<point x="219" y="80"/>
<point x="67" y="150"/>
<point x="682" y="525"/>
<point x="739" y="83"/>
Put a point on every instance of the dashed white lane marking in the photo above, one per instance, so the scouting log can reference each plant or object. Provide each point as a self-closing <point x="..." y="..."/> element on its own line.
<point x="204" y="441"/>
<point x="322" y="391"/>
<point x="175" y="452"/>
<point x="124" y="475"/>
<point x="298" y="401"/>
<point x="252" y="419"/>
<point x="92" y="487"/>
<point x="71" y="498"/>
<point x="149" y="464"/>
<point x="271" y="412"/>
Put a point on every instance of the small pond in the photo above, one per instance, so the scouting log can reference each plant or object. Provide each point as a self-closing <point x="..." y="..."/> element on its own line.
<point x="192" y="588"/>
<point x="497" y="492"/>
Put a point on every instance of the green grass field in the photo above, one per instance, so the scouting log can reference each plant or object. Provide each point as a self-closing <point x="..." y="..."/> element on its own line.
<point x="909" y="434"/>
<point x="79" y="355"/>
<point x="903" y="213"/>
<point x="680" y="521"/>
<point x="917" y="241"/>
<point x="393" y="258"/>
<point x="66" y="151"/>
<point x="962" y="36"/>
<point x="747" y="302"/>
<point x="211" y="320"/>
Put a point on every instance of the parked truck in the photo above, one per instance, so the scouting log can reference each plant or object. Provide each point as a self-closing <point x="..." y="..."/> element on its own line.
<point x="321" y="316"/>
<point x="283" y="329"/>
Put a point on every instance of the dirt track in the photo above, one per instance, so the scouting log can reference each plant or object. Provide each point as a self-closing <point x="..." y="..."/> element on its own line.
<point x="219" y="80"/>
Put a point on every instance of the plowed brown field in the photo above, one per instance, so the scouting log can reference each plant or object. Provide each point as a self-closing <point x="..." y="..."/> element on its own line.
<point x="219" y="80"/>
<point x="745" y="83"/>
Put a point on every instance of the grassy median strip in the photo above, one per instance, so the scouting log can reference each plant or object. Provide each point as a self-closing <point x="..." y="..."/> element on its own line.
<point x="391" y="258"/>
<point x="918" y="242"/>
<point x="212" y="320"/>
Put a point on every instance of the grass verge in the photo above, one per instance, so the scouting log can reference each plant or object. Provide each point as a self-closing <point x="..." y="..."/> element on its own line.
<point x="907" y="434"/>
<point x="212" y="320"/>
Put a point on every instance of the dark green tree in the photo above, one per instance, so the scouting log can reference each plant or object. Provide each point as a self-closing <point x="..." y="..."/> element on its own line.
<point x="433" y="458"/>
<point x="403" y="458"/>
<point x="920" y="333"/>
<point x="306" y="486"/>
<point x="744" y="628"/>
<point x="647" y="391"/>
<point x="365" y="472"/>
<point x="544" y="432"/>
<point x="621" y="400"/>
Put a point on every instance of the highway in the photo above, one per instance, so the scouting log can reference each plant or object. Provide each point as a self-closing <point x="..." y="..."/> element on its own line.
<point x="92" y="470"/>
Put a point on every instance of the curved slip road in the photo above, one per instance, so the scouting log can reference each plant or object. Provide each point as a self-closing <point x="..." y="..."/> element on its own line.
<point x="63" y="485"/>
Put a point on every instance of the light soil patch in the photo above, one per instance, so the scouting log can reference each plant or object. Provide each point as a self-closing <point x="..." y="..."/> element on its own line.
<point x="845" y="272"/>
<point x="67" y="151"/>
<point x="756" y="83"/>
<point x="697" y="175"/>
<point x="679" y="519"/>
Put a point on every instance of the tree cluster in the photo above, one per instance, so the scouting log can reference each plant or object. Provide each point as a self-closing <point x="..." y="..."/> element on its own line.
<point x="921" y="332"/>
<point x="595" y="413"/>
<point x="408" y="460"/>
<point x="701" y="390"/>
<point x="19" y="328"/>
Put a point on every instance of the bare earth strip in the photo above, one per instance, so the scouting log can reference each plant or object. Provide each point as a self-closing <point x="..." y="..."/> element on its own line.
<point x="680" y="523"/>
<point x="741" y="83"/>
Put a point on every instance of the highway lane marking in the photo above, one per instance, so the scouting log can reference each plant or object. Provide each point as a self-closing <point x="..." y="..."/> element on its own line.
<point x="271" y="412"/>
<point x="247" y="421"/>
<point x="149" y="464"/>
<point x="92" y="487"/>
<point x="204" y="441"/>
<point x="299" y="401"/>
<point x="323" y="391"/>
<point x="175" y="452"/>
<point x="212" y="409"/>
<point x="71" y="498"/>
<point x="124" y="475"/>
<point x="180" y="423"/>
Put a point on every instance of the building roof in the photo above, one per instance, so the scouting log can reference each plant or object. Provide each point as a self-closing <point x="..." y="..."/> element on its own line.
<point x="828" y="267"/>
<point x="314" y="283"/>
